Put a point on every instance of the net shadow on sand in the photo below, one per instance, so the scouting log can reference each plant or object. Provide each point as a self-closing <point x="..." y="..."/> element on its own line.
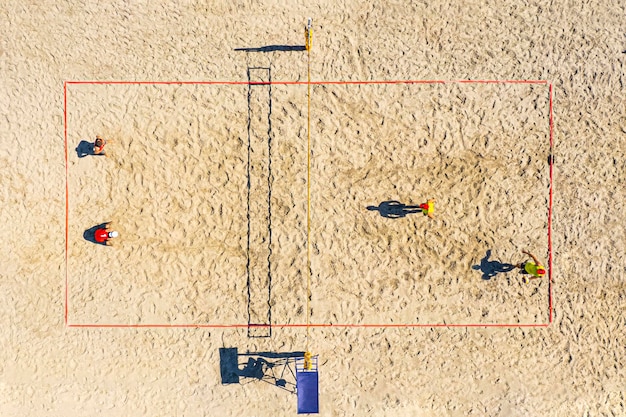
<point x="259" y="204"/>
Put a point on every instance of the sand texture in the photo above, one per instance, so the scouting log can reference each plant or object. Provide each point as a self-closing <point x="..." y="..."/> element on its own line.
<point x="208" y="186"/>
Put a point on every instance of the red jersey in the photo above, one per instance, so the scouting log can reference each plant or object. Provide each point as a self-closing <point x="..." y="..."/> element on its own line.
<point x="101" y="235"/>
<point x="98" y="149"/>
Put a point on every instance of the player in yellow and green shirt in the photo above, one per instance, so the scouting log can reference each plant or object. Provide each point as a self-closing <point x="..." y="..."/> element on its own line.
<point x="428" y="208"/>
<point x="533" y="269"/>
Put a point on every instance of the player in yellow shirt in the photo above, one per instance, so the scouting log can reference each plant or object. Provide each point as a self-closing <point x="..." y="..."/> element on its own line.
<point x="428" y="208"/>
<point x="533" y="269"/>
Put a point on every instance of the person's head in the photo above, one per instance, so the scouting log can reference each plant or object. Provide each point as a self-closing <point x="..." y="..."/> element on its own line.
<point x="541" y="271"/>
<point x="424" y="206"/>
<point x="99" y="142"/>
<point x="113" y="234"/>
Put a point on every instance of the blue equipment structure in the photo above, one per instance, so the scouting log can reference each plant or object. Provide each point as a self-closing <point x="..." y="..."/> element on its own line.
<point x="307" y="385"/>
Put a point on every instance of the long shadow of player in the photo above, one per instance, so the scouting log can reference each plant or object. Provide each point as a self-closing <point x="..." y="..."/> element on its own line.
<point x="394" y="209"/>
<point x="492" y="268"/>
<point x="84" y="149"/>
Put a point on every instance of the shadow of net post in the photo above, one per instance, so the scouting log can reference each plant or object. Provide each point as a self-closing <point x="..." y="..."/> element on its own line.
<point x="274" y="48"/>
<point x="275" y="368"/>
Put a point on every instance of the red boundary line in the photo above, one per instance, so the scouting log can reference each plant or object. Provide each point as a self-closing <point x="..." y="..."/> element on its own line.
<point x="231" y="326"/>
<point x="240" y="326"/>
<point x="314" y="82"/>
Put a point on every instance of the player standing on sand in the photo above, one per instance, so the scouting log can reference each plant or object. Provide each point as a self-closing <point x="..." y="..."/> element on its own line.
<point x="102" y="236"/>
<point x="98" y="146"/>
<point x="428" y="208"/>
<point x="531" y="268"/>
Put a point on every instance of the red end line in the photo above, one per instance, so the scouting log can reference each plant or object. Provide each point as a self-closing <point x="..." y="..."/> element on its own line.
<point x="240" y="326"/>
<point x="66" y="194"/>
<point x="312" y="82"/>
<point x="550" y="205"/>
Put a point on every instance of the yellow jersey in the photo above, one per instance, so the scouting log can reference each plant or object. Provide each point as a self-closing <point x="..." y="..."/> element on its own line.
<point x="430" y="209"/>
<point x="532" y="268"/>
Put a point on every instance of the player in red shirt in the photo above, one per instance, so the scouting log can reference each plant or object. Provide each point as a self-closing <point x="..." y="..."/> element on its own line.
<point x="98" y="146"/>
<point x="102" y="236"/>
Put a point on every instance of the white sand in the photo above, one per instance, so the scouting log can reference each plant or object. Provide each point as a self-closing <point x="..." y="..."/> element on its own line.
<point x="175" y="186"/>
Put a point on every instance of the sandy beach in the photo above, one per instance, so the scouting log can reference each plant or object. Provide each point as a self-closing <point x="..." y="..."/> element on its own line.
<point x="224" y="186"/>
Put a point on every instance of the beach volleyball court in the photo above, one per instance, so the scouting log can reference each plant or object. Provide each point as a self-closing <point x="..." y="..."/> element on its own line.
<point x="192" y="197"/>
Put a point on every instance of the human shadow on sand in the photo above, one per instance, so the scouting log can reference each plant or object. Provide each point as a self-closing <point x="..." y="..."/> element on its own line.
<point x="90" y="234"/>
<point x="394" y="209"/>
<point x="492" y="268"/>
<point x="84" y="149"/>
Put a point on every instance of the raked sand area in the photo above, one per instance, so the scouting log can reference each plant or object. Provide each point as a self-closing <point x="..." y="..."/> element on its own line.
<point x="198" y="174"/>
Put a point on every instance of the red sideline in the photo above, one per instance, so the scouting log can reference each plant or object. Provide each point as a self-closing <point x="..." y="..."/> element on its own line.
<point x="232" y="326"/>
<point x="315" y="82"/>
